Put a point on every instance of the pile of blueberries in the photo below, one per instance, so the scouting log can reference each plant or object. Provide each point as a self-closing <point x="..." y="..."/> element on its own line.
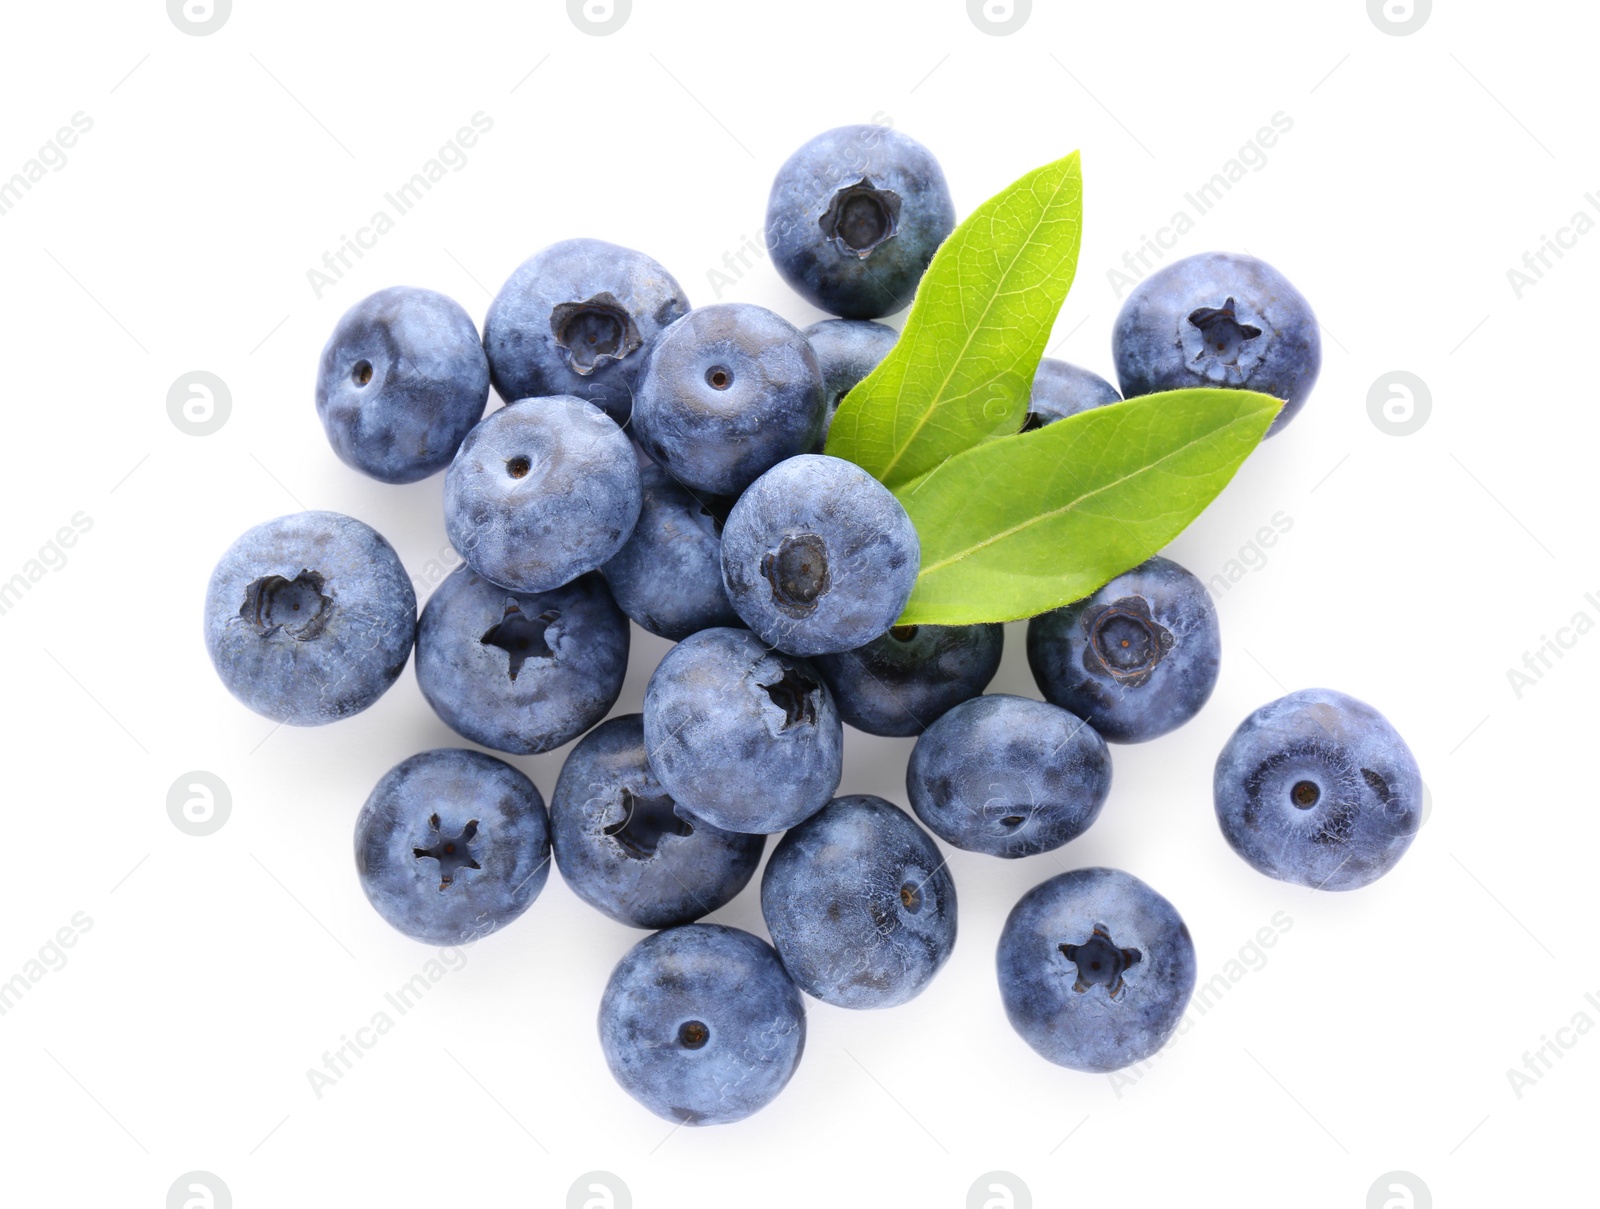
<point x="662" y="464"/>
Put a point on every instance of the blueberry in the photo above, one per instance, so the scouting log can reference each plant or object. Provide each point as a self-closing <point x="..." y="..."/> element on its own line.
<point x="452" y="845"/>
<point x="1318" y="789"/>
<point x="1095" y="969"/>
<point x="854" y="218"/>
<point x="668" y="575"/>
<point x="623" y="846"/>
<point x="847" y="351"/>
<point x="742" y="737"/>
<point x="1008" y="776"/>
<point x="1061" y="390"/>
<point x="818" y="556"/>
<point x="1218" y="319"/>
<point x="521" y="672"/>
<point x="579" y="318"/>
<point x="310" y="618"/>
<point x="860" y="905"/>
<point x="1136" y="659"/>
<point x="729" y="391"/>
<point x="402" y="381"/>
<point x="541" y="492"/>
<point x="900" y="683"/>
<point x="701" y="1024"/>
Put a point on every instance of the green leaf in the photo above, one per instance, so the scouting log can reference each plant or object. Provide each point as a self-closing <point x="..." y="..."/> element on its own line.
<point x="1031" y="522"/>
<point x="963" y="367"/>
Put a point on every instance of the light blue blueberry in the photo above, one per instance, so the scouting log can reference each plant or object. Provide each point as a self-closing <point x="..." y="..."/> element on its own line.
<point x="860" y="904"/>
<point x="579" y="318"/>
<point x="516" y="671"/>
<point x="1096" y="969"/>
<point x="540" y="492"/>
<point x="729" y="391"/>
<point x="1219" y="319"/>
<point x="452" y="846"/>
<point x="818" y="556"/>
<point x="402" y="381"/>
<point x="854" y="218"/>
<point x="701" y="1024"/>
<point x="1317" y="788"/>
<point x="310" y="618"/>
<point x="746" y="738"/>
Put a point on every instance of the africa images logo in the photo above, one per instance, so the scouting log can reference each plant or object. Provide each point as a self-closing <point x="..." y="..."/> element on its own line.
<point x="1399" y="403"/>
<point x="999" y="17"/>
<point x="199" y="1190"/>
<point x="198" y="803"/>
<point x="197" y="18"/>
<point x="599" y="1190"/>
<point x="1399" y="1190"/>
<point x="199" y="403"/>
<point x="599" y="17"/>
<point x="999" y="1190"/>
<point x="1399" y="17"/>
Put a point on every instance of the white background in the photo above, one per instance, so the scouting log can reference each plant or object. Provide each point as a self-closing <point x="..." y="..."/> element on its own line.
<point x="1418" y="570"/>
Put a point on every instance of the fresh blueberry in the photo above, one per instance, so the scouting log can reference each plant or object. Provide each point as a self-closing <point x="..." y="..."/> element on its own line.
<point x="521" y="672"/>
<point x="901" y="683"/>
<point x="1008" y="776"/>
<point x="1135" y="660"/>
<point x="854" y="218"/>
<point x="1219" y="319"/>
<point x="740" y="736"/>
<point x="818" y="556"/>
<point x="452" y="845"/>
<point x="1318" y="789"/>
<point x="860" y="905"/>
<point x="310" y="618"/>
<point x="847" y="351"/>
<point x="402" y="381"/>
<point x="668" y="575"/>
<point x="729" y="391"/>
<point x="541" y="492"/>
<point x="1061" y="390"/>
<point x="701" y="1024"/>
<point x="623" y="846"/>
<point x="579" y="318"/>
<point x="1095" y="969"/>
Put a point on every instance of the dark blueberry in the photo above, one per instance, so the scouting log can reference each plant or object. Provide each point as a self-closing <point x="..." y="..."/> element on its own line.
<point x="847" y="351"/>
<point x="904" y="681"/>
<point x="1008" y="776"/>
<point x="668" y="575"/>
<point x="623" y="846"/>
<point x="1136" y="659"/>
<point x="1061" y="390"/>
